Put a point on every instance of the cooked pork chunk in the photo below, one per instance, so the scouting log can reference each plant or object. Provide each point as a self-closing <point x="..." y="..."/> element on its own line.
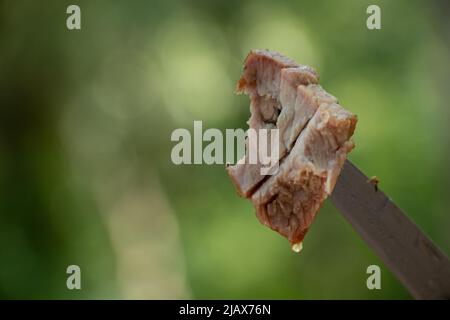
<point x="288" y="201"/>
<point x="314" y="139"/>
<point x="272" y="82"/>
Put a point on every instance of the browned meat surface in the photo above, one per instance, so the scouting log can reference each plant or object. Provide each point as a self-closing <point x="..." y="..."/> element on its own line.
<point x="314" y="139"/>
<point x="288" y="201"/>
<point x="271" y="80"/>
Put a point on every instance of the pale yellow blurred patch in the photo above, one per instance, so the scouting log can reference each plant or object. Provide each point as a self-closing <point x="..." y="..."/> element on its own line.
<point x="145" y="237"/>
<point x="279" y="29"/>
<point x="193" y="80"/>
<point x="143" y="228"/>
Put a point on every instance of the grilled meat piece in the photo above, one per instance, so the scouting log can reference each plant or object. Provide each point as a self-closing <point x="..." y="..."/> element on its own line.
<point x="288" y="201"/>
<point x="271" y="81"/>
<point x="314" y="139"/>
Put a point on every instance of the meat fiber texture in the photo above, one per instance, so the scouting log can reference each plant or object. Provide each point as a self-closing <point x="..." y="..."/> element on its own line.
<point x="314" y="139"/>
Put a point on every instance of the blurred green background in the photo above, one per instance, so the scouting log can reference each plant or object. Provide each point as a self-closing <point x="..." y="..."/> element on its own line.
<point x="85" y="121"/>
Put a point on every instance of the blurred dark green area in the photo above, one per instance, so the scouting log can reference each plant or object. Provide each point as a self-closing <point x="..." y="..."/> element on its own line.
<point x="85" y="122"/>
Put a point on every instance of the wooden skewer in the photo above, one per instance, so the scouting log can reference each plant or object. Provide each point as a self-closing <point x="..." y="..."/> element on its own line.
<point x="421" y="266"/>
